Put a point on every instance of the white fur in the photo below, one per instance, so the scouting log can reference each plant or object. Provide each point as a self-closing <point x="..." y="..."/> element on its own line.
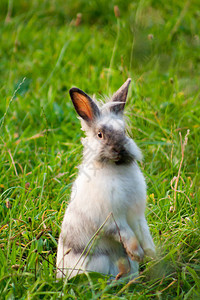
<point x="101" y="189"/>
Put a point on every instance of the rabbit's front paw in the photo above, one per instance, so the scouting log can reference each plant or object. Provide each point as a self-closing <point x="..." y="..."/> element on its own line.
<point x="150" y="251"/>
<point x="134" y="250"/>
<point x="149" y="247"/>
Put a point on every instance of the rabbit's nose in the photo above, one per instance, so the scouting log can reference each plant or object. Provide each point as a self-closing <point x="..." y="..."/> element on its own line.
<point x="117" y="150"/>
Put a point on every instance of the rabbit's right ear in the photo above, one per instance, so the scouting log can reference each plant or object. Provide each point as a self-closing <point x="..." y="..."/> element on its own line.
<point x="120" y="97"/>
<point x="84" y="105"/>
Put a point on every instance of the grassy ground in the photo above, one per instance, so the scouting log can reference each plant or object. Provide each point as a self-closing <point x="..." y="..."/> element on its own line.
<point x="42" y="54"/>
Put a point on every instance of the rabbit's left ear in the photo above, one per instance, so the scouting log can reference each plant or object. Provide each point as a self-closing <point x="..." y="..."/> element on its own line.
<point x="84" y="105"/>
<point x="120" y="96"/>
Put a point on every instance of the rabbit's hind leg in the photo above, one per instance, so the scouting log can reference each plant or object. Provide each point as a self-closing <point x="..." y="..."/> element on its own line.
<point x="134" y="272"/>
<point x="117" y="268"/>
<point x="123" y="266"/>
<point x="126" y="267"/>
<point x="97" y="263"/>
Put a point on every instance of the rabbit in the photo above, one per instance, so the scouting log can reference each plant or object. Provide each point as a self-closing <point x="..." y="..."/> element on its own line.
<point x="104" y="227"/>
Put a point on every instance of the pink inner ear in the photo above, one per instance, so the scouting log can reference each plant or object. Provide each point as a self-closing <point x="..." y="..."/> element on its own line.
<point x="82" y="105"/>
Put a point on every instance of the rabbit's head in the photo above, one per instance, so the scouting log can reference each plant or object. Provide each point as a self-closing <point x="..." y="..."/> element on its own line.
<point x="106" y="140"/>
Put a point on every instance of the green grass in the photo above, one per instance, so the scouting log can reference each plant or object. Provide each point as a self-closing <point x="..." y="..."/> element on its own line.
<point x="157" y="44"/>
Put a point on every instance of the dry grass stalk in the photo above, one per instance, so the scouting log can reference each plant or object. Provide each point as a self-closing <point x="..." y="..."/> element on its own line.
<point x="183" y="145"/>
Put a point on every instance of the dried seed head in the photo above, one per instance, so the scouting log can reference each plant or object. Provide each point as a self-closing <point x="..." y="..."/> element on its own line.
<point x="150" y="36"/>
<point x="39" y="235"/>
<point x="16" y="135"/>
<point x="27" y="185"/>
<point x="15" y="267"/>
<point x="78" y="19"/>
<point x="117" y="11"/>
<point x="8" y="204"/>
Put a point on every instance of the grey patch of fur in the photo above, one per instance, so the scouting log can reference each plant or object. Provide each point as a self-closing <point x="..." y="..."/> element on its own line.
<point x="114" y="146"/>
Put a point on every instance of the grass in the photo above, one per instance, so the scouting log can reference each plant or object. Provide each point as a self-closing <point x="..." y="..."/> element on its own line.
<point x="157" y="44"/>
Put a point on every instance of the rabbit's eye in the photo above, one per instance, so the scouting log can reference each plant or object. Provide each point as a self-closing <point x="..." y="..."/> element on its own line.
<point x="100" y="135"/>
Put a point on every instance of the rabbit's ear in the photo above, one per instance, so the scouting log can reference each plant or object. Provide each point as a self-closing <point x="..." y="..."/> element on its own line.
<point x="120" y="96"/>
<point x="84" y="105"/>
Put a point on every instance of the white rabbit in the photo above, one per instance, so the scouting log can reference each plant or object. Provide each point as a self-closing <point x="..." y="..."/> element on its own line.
<point x="109" y="181"/>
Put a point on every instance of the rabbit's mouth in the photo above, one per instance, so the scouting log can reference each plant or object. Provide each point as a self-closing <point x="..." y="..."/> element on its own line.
<point x="122" y="157"/>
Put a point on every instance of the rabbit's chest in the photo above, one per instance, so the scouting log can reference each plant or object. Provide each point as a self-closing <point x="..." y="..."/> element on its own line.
<point x="122" y="192"/>
<point x="113" y="191"/>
